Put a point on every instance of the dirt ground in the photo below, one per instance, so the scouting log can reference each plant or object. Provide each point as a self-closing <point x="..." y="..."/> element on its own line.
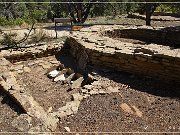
<point x="158" y="101"/>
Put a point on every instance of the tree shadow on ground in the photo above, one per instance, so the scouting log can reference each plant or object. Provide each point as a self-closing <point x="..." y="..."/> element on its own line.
<point x="162" y="88"/>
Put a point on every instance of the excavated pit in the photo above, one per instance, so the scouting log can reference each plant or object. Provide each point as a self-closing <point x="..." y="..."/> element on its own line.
<point x="163" y="36"/>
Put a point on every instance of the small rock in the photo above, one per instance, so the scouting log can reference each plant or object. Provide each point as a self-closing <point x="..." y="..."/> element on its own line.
<point x="77" y="83"/>
<point x="22" y="122"/>
<point x="27" y="69"/>
<point x="53" y="73"/>
<point x="69" y="78"/>
<point x="54" y="62"/>
<point x="92" y="92"/>
<point x="89" y="87"/>
<point x="67" y="129"/>
<point x="18" y="67"/>
<point x="31" y="63"/>
<point x="77" y="97"/>
<point x="49" y="110"/>
<point x="96" y="83"/>
<point x="110" y="89"/>
<point x="45" y="65"/>
<point x="19" y="71"/>
<point x="137" y="111"/>
<point x="102" y="92"/>
<point x="60" y="78"/>
<point x="126" y="108"/>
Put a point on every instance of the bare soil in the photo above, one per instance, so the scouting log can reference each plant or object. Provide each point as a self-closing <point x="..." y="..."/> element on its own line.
<point x="158" y="101"/>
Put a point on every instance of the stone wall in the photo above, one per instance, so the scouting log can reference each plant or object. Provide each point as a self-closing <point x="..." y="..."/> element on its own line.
<point x="31" y="51"/>
<point x="164" y="36"/>
<point x="160" y="62"/>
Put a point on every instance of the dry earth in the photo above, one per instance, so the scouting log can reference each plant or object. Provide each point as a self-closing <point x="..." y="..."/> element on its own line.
<point x="142" y="104"/>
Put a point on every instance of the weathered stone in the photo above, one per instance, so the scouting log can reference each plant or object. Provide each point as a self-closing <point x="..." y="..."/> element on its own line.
<point x="67" y="129"/>
<point x="53" y="73"/>
<point x="137" y="111"/>
<point x="77" y="97"/>
<point x="4" y="62"/>
<point x="59" y="78"/>
<point x="96" y="83"/>
<point x="31" y="63"/>
<point x="110" y="89"/>
<point x="69" y="78"/>
<point x="27" y="69"/>
<point x="126" y="108"/>
<point x="22" y="122"/>
<point x="89" y="87"/>
<point x="45" y="65"/>
<point x="77" y="83"/>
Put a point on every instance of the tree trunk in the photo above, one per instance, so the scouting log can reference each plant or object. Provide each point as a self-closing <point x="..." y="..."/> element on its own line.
<point x="150" y="8"/>
<point x="148" y="14"/>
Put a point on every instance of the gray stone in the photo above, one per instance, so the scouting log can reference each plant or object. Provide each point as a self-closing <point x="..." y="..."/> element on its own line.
<point x="77" y="83"/>
<point x="67" y="129"/>
<point x="77" y="97"/>
<point x="89" y="87"/>
<point x="69" y="78"/>
<point x="53" y="73"/>
<point x="60" y="78"/>
<point x="96" y="83"/>
<point x="22" y="122"/>
<point x="110" y="89"/>
<point x="27" y="69"/>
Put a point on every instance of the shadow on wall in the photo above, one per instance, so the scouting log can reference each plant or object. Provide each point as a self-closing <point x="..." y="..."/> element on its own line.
<point x="169" y="36"/>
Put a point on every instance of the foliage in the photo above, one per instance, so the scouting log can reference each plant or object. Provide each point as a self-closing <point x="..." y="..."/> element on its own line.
<point x="19" y="13"/>
<point x="9" y="40"/>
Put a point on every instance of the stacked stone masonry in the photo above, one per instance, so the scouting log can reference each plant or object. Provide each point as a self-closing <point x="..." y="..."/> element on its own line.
<point x="151" y="60"/>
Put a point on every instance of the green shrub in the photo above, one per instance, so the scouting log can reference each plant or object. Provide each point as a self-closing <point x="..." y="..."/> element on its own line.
<point x="9" y="40"/>
<point x="3" y="21"/>
<point x="38" y="15"/>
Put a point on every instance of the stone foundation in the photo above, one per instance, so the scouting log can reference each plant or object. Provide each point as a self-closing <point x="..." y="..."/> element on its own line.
<point x="150" y="60"/>
<point x="163" y="36"/>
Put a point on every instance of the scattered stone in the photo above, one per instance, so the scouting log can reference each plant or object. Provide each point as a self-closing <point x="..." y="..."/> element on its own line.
<point x="84" y="90"/>
<point x="93" y="92"/>
<point x="77" y="83"/>
<point x="110" y="89"/>
<point x="31" y="64"/>
<point x="60" y="78"/>
<point x="45" y="65"/>
<point x="22" y="122"/>
<point x="77" y="97"/>
<point x="69" y="78"/>
<point x="53" y="73"/>
<point x="96" y="83"/>
<point x="67" y="129"/>
<point x="137" y="111"/>
<point x="89" y="87"/>
<point x="102" y="92"/>
<point x="27" y="69"/>
<point x="126" y="108"/>
<point x="18" y="67"/>
<point x="54" y="62"/>
<point x="49" y="110"/>
<point x="4" y="62"/>
<point x="51" y="69"/>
